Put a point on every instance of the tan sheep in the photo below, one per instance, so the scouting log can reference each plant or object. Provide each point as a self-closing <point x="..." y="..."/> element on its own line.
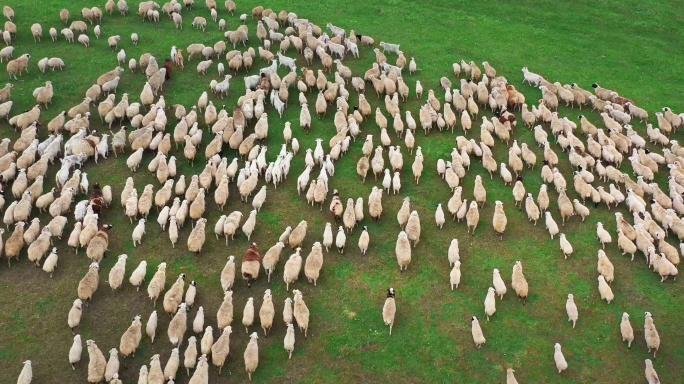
<point x="519" y="283"/>
<point x="88" y="284"/>
<point x="499" y="220"/>
<point x="626" y="330"/>
<point x="604" y="290"/>
<point x="314" y="263"/>
<point x="605" y="267"/>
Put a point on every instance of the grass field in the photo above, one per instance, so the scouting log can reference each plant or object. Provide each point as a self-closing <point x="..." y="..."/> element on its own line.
<point x="630" y="47"/>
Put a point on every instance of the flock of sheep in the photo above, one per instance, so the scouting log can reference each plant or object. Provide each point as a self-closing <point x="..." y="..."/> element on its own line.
<point x="656" y="214"/>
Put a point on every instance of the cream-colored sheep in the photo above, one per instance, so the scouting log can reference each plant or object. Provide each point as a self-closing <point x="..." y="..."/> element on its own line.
<point x="96" y="364"/>
<point x="626" y="330"/>
<point x="88" y="284"/>
<point x="151" y="326"/>
<point x="178" y="326"/>
<point x="174" y="295"/>
<point x="472" y="216"/>
<point x="228" y="274"/>
<point x="314" y="263"/>
<point x="571" y="309"/>
<point x="112" y="369"/>
<point x="248" y="314"/>
<point x="116" y="274"/>
<point x="197" y="236"/>
<point x="156" y="285"/>
<point x="297" y="235"/>
<point x="293" y="266"/>
<point x="604" y="290"/>
<point x="565" y="246"/>
<point x="403" y="251"/>
<point x="75" y="313"/>
<point x="651" y="334"/>
<point x="551" y="225"/>
<point x="220" y="349"/>
<point x="519" y="283"/>
<point x="602" y="235"/>
<point x="490" y="303"/>
<point x="301" y="312"/>
<point x="476" y="331"/>
<point x="224" y="315"/>
<point x="267" y="312"/>
<point x="207" y="340"/>
<point x="605" y="267"/>
<point x="499" y="220"/>
<point x="251" y="355"/>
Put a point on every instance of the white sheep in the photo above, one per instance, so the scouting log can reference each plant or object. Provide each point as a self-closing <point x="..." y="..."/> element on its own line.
<point x="604" y="290"/>
<point x="292" y="268"/>
<point x="364" y="240"/>
<point x="26" y="375"/>
<point x="138" y="275"/>
<point x="151" y="326"/>
<point x="626" y="330"/>
<point x="138" y="232"/>
<point x="490" y="302"/>
<point x="602" y="235"/>
<point x="251" y="355"/>
<point x="498" y="284"/>
<point x="50" y="263"/>
<point x="476" y="331"/>
<point x="651" y="334"/>
<point x="75" y="352"/>
<point x="558" y="357"/>
<point x="571" y="309"/>
<point x="116" y="274"/>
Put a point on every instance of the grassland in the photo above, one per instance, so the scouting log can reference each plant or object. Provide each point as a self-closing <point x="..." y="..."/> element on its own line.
<point x="630" y="46"/>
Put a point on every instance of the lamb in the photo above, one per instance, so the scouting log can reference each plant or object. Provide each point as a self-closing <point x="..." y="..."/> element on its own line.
<point x="626" y="330"/>
<point x="75" y="352"/>
<point x="151" y="326"/>
<point x="604" y="290"/>
<point x="605" y="267"/>
<point x="156" y="285"/>
<point x="389" y="309"/>
<point x="314" y="263"/>
<point x="75" y="313"/>
<point x="96" y="364"/>
<point x="138" y="276"/>
<point x="651" y="334"/>
<point x="476" y="331"/>
<point x="178" y="326"/>
<point x="561" y="364"/>
<point x="88" y="284"/>
<point x="519" y="283"/>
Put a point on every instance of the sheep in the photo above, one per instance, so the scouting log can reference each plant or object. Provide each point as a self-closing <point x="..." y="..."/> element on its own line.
<point x="174" y="295"/>
<point x="490" y="303"/>
<point x="301" y="312"/>
<point x="248" y="314"/>
<point x="626" y="330"/>
<point x="267" y="312"/>
<point x="116" y="274"/>
<point x="604" y="289"/>
<point x="551" y="225"/>
<point x="292" y="268"/>
<point x="221" y="348"/>
<point x="197" y="236"/>
<point x="561" y="363"/>
<point x="413" y="228"/>
<point x="50" y="263"/>
<point x="138" y="275"/>
<point x="96" y="364"/>
<point x="403" y="251"/>
<point x="75" y="352"/>
<point x="519" y="283"/>
<point x="251" y="355"/>
<point x="296" y="237"/>
<point x="389" y="309"/>
<point x="88" y="284"/>
<point x="651" y="334"/>
<point x="172" y="364"/>
<point x="112" y="367"/>
<point x="499" y="221"/>
<point x="138" y="232"/>
<point x="476" y="331"/>
<point x="150" y="326"/>
<point x="472" y="216"/>
<point x="156" y="285"/>
<point x="605" y="267"/>
<point x="364" y="240"/>
<point x="178" y="326"/>
<point x="314" y="263"/>
<point x="75" y="313"/>
<point x="155" y="375"/>
<point x="98" y="245"/>
<point x="565" y="246"/>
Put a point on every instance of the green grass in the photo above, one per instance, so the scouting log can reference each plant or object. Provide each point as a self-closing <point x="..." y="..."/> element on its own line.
<point x="630" y="47"/>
